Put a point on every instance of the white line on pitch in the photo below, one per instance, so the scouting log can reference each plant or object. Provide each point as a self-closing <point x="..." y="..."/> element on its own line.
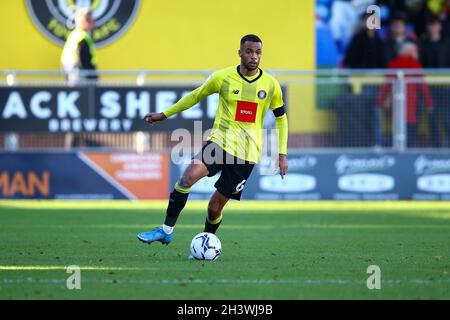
<point x="32" y="268"/>
<point x="226" y="281"/>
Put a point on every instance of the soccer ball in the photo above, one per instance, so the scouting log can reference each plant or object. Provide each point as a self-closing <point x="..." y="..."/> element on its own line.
<point x="206" y="246"/>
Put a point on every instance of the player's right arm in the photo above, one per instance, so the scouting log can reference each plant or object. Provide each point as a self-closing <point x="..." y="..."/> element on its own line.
<point x="188" y="101"/>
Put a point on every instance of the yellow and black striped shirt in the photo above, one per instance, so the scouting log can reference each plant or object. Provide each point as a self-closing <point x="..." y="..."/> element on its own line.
<point x="243" y="104"/>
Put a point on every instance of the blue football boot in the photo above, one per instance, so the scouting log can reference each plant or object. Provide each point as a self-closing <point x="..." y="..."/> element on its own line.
<point x="156" y="234"/>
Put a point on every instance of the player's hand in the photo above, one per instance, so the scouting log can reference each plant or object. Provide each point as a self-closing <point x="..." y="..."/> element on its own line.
<point x="154" y="117"/>
<point x="282" y="162"/>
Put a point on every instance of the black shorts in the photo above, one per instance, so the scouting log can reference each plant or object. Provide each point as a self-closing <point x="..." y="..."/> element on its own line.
<point x="235" y="171"/>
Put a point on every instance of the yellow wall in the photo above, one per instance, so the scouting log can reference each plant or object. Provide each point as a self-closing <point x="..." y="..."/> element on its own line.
<point x="176" y="34"/>
<point x="185" y="35"/>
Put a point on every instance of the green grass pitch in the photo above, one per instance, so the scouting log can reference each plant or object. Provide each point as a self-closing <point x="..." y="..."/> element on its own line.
<point x="270" y="250"/>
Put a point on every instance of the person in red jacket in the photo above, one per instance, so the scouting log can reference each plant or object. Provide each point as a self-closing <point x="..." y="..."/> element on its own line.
<point x="407" y="59"/>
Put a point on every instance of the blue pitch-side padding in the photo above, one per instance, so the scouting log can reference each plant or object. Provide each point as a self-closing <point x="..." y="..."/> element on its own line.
<point x="69" y="177"/>
<point x="311" y="176"/>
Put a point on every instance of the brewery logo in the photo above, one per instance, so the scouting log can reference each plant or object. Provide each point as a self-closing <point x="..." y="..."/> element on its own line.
<point x="56" y="18"/>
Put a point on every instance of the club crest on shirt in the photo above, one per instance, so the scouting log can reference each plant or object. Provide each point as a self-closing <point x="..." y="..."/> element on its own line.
<point x="262" y="94"/>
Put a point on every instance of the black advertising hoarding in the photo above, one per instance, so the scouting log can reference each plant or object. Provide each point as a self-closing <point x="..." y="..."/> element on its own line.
<point x="97" y="109"/>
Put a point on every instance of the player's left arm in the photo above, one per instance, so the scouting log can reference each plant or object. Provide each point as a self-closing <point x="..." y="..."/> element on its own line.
<point x="281" y="124"/>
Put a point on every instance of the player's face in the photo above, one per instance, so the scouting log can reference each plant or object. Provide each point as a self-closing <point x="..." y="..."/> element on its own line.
<point x="250" y="53"/>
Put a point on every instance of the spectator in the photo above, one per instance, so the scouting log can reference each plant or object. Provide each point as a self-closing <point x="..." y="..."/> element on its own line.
<point x="435" y="53"/>
<point x="345" y="19"/>
<point x="398" y="36"/>
<point x="366" y="49"/>
<point x="417" y="11"/>
<point x="434" y="49"/>
<point x="408" y="59"/>
<point x="79" y="52"/>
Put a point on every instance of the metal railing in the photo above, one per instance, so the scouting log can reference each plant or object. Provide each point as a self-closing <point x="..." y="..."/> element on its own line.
<point x="336" y="108"/>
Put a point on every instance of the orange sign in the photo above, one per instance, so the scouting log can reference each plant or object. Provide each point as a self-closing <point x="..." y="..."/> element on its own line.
<point x="27" y="184"/>
<point x="143" y="176"/>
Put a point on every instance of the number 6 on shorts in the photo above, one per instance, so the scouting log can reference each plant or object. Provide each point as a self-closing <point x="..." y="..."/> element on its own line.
<point x="240" y="186"/>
